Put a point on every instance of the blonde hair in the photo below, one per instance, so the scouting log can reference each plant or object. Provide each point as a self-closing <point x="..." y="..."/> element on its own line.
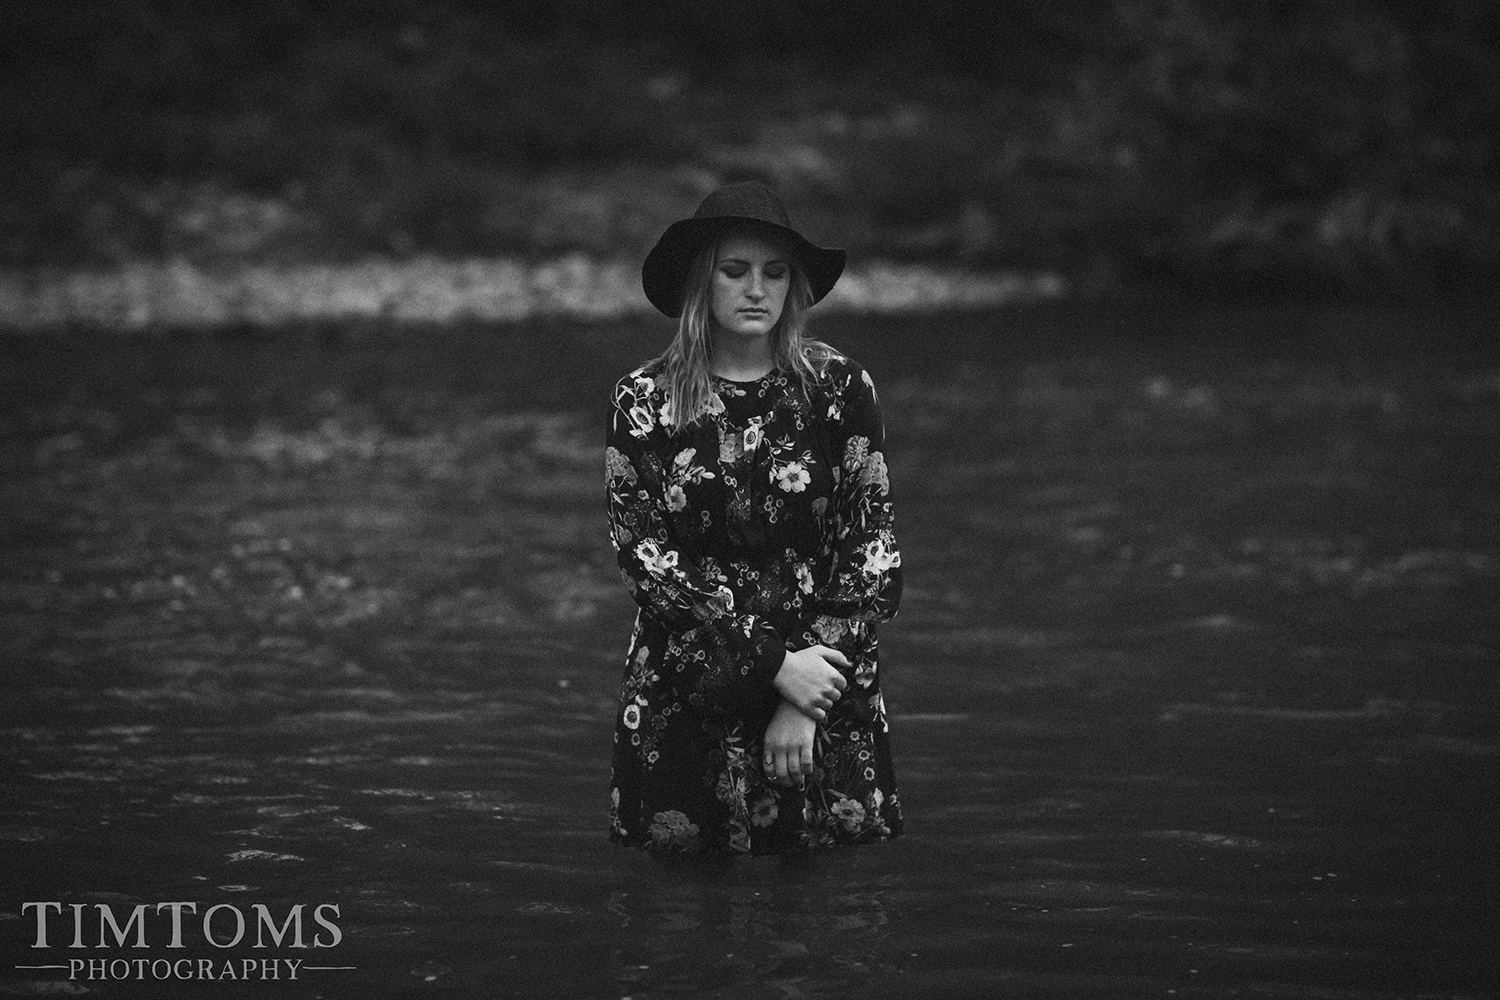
<point x="686" y="364"/>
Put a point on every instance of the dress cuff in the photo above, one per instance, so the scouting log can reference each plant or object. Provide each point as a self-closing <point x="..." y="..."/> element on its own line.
<point x="770" y="652"/>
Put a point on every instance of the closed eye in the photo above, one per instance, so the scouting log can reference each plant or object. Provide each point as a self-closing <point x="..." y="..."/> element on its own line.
<point x="772" y="270"/>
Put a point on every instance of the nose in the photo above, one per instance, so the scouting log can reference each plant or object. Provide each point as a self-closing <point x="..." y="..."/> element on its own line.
<point x="757" y="289"/>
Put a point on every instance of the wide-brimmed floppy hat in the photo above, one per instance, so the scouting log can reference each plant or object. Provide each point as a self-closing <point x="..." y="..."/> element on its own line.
<point x="747" y="205"/>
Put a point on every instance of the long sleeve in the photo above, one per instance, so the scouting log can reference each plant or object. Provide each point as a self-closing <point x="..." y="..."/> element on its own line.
<point x="719" y="658"/>
<point x="864" y="581"/>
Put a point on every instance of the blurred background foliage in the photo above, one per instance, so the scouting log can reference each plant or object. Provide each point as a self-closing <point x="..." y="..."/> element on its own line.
<point x="1217" y="145"/>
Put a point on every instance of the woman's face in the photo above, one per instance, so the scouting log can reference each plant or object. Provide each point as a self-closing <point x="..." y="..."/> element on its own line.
<point x="751" y="278"/>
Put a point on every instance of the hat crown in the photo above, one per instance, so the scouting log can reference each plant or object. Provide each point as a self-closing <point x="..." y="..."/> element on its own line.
<point x="744" y="200"/>
<point x="744" y="205"/>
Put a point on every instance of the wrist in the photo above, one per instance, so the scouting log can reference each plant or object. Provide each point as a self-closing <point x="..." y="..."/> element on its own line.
<point x="779" y="678"/>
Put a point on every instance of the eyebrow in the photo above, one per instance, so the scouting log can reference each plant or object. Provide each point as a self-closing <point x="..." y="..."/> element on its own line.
<point x="741" y="260"/>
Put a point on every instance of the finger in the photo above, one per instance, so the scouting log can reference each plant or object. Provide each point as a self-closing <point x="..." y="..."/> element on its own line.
<point x="807" y="764"/>
<point x="783" y="772"/>
<point x="836" y="657"/>
<point x="832" y="695"/>
<point x="840" y="681"/>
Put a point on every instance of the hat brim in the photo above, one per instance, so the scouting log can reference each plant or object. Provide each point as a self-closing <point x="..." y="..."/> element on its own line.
<point x="665" y="270"/>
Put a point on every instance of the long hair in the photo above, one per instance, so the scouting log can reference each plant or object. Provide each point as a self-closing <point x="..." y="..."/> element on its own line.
<point x="686" y="364"/>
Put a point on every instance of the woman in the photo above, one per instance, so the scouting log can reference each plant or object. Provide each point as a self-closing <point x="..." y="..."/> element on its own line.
<point x="750" y="508"/>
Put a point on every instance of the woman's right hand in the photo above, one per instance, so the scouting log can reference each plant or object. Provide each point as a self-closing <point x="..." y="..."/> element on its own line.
<point x="788" y="742"/>
<point x="810" y="681"/>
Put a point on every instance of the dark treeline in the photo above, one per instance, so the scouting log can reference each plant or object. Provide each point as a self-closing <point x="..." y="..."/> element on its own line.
<point x="1347" y="142"/>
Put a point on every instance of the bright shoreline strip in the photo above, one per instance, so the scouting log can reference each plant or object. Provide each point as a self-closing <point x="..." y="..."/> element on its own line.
<point x="144" y="296"/>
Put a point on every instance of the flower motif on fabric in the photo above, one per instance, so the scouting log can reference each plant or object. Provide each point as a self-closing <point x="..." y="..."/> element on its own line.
<point x="872" y="472"/>
<point x="711" y="570"/>
<point x="849" y="813"/>
<point x="641" y="675"/>
<point x="671" y="828"/>
<point x="829" y="629"/>
<point x="793" y="477"/>
<point x="642" y="420"/>
<point x="855" y="450"/>
<point x="617" y="466"/>
<point x="753" y="435"/>
<point x="731" y="787"/>
<point x="715" y="605"/>
<point x="656" y="561"/>
<point x="881" y="555"/>
<point x="684" y="471"/>
<point x="764" y="811"/>
<point x="616" y="827"/>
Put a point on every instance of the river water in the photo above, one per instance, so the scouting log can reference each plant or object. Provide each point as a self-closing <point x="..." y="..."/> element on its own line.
<point x="1193" y="689"/>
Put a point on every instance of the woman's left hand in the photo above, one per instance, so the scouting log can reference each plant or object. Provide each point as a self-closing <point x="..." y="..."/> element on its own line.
<point x="788" y="756"/>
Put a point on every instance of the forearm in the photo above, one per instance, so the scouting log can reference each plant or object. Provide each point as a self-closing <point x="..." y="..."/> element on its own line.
<point x="719" y="669"/>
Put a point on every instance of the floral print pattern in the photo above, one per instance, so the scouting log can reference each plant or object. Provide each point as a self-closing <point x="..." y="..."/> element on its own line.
<point x="766" y="526"/>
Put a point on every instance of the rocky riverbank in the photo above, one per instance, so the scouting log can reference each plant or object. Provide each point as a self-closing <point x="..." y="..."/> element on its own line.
<point x="145" y="296"/>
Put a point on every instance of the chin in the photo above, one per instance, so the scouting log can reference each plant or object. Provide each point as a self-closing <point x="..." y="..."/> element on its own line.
<point x="752" y="328"/>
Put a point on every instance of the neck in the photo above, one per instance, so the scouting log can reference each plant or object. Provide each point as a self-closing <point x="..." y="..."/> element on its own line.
<point x="741" y="359"/>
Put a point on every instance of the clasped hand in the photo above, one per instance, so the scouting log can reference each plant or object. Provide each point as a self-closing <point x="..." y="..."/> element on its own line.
<point x="811" y="682"/>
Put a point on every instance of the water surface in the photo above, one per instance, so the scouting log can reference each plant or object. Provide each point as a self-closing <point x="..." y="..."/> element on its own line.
<point x="1193" y="686"/>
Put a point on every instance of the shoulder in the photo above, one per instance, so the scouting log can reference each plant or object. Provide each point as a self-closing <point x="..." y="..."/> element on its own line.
<point x="641" y="385"/>
<point x="638" y="404"/>
<point x="845" y="377"/>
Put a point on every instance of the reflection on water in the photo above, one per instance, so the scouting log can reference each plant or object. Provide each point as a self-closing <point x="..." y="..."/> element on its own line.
<point x="1192" y="689"/>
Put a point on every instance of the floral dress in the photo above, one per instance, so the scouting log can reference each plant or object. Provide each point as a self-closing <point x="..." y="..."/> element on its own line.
<point x="763" y="527"/>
